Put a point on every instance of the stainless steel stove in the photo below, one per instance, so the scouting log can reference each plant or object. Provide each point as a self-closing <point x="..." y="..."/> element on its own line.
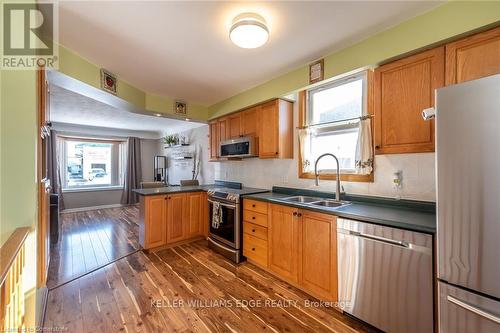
<point x="225" y="237"/>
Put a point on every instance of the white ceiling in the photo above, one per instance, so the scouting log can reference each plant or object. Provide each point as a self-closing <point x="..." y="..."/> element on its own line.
<point x="67" y="107"/>
<point x="182" y="49"/>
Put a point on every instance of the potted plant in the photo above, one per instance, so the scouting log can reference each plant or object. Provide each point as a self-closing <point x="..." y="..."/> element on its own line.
<point x="170" y="140"/>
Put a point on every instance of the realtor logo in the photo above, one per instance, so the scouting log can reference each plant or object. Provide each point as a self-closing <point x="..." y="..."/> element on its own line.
<point x="29" y="35"/>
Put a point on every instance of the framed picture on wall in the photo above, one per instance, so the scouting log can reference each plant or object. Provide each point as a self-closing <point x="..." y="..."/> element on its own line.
<point x="180" y="108"/>
<point x="316" y="71"/>
<point x="108" y="81"/>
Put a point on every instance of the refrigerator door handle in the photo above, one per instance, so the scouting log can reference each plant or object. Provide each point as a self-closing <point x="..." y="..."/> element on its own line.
<point x="471" y="308"/>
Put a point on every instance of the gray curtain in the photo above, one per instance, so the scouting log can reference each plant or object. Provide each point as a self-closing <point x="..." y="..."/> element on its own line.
<point x="53" y="167"/>
<point x="133" y="172"/>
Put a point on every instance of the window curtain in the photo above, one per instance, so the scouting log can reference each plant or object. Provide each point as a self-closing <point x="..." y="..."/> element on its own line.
<point x="305" y="149"/>
<point x="53" y="166"/>
<point x="133" y="172"/>
<point x="364" y="147"/>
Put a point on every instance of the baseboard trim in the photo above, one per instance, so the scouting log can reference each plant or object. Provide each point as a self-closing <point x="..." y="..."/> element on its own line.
<point x="82" y="209"/>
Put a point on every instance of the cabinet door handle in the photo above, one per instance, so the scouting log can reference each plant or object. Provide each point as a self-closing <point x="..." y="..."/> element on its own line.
<point x="294" y="213"/>
<point x="253" y="230"/>
<point x="253" y="205"/>
<point x="253" y="217"/>
<point x="253" y="248"/>
<point x="299" y="214"/>
<point x="377" y="147"/>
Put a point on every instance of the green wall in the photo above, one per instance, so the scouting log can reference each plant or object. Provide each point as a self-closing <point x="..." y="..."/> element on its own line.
<point x="448" y="20"/>
<point x="18" y="195"/>
<point x="81" y="69"/>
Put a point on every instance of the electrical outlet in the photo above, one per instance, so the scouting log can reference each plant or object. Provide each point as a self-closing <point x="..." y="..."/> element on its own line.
<point x="397" y="180"/>
<point x="284" y="179"/>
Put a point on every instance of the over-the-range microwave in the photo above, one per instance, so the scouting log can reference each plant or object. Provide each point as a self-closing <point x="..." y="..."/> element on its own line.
<point x="240" y="147"/>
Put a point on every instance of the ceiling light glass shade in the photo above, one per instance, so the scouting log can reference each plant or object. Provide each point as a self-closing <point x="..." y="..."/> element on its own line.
<point x="249" y="31"/>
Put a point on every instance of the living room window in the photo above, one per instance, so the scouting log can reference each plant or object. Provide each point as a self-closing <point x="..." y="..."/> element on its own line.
<point x="91" y="163"/>
<point x="336" y="119"/>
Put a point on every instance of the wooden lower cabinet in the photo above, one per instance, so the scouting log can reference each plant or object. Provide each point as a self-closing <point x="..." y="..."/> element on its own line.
<point x="176" y="217"/>
<point x="302" y="249"/>
<point x="153" y="221"/>
<point x="167" y="219"/>
<point x="318" y="254"/>
<point x="194" y="214"/>
<point x="255" y="249"/>
<point x="283" y="241"/>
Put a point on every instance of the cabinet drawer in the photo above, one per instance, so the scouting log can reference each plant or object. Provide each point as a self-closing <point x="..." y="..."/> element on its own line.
<point x="254" y="217"/>
<point x="255" y="205"/>
<point x="255" y="230"/>
<point x="255" y="249"/>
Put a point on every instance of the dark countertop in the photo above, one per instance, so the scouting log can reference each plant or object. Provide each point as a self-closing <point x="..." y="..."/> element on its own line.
<point x="173" y="189"/>
<point x="403" y="214"/>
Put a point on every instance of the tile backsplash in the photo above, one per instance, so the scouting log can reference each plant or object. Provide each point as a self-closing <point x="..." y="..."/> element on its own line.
<point x="418" y="174"/>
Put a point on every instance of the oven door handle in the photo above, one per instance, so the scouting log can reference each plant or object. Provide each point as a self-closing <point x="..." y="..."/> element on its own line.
<point x="222" y="204"/>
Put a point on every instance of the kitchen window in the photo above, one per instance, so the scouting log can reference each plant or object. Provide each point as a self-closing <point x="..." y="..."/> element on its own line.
<point x="91" y="163"/>
<point x="335" y="119"/>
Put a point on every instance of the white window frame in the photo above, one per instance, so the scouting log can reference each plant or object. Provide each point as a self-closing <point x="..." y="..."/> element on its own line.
<point x="337" y="125"/>
<point x="117" y="182"/>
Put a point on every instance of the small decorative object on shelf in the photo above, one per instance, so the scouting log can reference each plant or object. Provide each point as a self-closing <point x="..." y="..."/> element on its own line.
<point x="316" y="71"/>
<point x="180" y="108"/>
<point x="170" y="140"/>
<point x="108" y="81"/>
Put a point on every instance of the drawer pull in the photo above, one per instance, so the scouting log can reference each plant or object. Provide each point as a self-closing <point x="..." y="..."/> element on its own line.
<point x="253" y="217"/>
<point x="253" y="230"/>
<point x="253" y="205"/>
<point x="253" y="248"/>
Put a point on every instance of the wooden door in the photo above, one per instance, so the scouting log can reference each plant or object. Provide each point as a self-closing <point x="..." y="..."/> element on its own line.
<point x="283" y="240"/>
<point x="214" y="140"/>
<point x="249" y="122"/>
<point x="175" y="217"/>
<point x="318" y="254"/>
<point x="268" y="122"/>
<point x="223" y="129"/>
<point x="156" y="221"/>
<point x="402" y="90"/>
<point x="473" y="57"/>
<point x="234" y="122"/>
<point x="194" y="210"/>
<point x="44" y="188"/>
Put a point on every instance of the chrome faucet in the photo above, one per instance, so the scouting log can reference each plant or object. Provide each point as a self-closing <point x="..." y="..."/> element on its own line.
<point x="316" y="173"/>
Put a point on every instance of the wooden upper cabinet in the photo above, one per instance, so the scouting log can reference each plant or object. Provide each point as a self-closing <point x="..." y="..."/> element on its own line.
<point x="318" y="254"/>
<point x="402" y="89"/>
<point x="275" y="129"/>
<point x="223" y="129"/>
<point x="235" y="123"/>
<point x="214" y="140"/>
<point x="249" y="122"/>
<point x="473" y="57"/>
<point x="283" y="241"/>
<point x="175" y="217"/>
<point x="194" y="214"/>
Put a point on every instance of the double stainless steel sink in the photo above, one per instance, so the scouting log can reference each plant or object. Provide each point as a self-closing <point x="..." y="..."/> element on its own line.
<point x="315" y="201"/>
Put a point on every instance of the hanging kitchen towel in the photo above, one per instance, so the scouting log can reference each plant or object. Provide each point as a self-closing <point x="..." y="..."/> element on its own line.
<point x="216" y="215"/>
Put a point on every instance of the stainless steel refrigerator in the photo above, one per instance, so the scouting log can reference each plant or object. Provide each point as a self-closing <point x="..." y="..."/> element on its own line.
<point x="468" y="206"/>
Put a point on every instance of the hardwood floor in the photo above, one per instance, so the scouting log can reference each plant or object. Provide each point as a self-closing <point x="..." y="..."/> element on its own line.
<point x="92" y="239"/>
<point x="184" y="289"/>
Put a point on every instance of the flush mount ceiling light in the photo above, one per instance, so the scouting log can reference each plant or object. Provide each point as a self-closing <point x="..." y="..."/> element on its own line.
<point x="249" y="31"/>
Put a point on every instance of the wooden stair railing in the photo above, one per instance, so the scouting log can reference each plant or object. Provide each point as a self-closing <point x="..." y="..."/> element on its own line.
<point x="12" y="261"/>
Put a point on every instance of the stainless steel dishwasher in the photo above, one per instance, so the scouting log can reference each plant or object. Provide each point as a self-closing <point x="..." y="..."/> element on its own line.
<point x="385" y="276"/>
